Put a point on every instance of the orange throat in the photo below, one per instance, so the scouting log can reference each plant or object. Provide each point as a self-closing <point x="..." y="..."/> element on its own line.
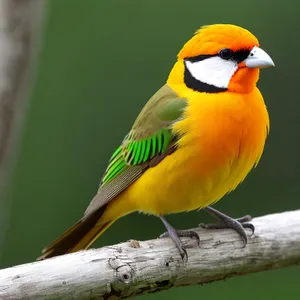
<point x="244" y="80"/>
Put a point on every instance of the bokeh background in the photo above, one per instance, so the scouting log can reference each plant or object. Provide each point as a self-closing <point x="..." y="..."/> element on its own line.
<point x="100" y="62"/>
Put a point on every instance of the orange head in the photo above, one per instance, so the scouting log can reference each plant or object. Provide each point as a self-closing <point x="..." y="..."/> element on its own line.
<point x="218" y="58"/>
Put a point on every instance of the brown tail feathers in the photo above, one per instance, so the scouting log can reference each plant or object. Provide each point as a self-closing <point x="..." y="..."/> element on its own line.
<point x="80" y="236"/>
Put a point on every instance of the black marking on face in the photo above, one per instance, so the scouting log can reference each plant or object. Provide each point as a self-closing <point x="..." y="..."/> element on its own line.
<point x="200" y="57"/>
<point x="198" y="85"/>
<point x="240" y="55"/>
<point x="226" y="54"/>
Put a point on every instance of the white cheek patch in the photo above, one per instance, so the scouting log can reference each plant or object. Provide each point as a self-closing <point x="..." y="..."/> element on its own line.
<point x="214" y="71"/>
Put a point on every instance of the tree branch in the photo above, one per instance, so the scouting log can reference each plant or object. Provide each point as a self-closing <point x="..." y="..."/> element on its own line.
<point x="135" y="268"/>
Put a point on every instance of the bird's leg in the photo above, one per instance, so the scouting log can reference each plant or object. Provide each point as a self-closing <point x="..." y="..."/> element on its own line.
<point x="227" y="222"/>
<point x="176" y="234"/>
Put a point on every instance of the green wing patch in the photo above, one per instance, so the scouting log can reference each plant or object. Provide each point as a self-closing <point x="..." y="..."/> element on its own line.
<point x="136" y="152"/>
<point x="150" y="135"/>
<point x="117" y="164"/>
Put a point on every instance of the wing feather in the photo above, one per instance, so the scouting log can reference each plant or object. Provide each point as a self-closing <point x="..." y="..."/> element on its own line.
<point x="149" y="141"/>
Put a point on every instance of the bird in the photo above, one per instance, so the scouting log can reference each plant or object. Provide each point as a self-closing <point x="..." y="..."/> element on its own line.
<point x="193" y="142"/>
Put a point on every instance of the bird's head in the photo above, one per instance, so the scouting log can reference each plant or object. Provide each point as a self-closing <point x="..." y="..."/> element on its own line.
<point x="218" y="58"/>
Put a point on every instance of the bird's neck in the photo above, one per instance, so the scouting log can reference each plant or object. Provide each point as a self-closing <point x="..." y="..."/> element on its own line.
<point x="244" y="80"/>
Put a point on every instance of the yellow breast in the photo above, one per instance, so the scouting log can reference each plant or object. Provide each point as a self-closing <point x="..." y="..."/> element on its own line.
<point x="223" y="136"/>
<point x="226" y="137"/>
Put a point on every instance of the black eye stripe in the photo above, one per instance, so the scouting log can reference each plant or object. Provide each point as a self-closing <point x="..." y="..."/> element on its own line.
<point x="200" y="57"/>
<point x="238" y="56"/>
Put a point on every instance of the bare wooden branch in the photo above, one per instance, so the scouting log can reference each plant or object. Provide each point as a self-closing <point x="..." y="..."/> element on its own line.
<point x="20" y="28"/>
<point x="135" y="268"/>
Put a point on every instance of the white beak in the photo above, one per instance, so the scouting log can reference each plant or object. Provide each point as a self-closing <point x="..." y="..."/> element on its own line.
<point x="258" y="58"/>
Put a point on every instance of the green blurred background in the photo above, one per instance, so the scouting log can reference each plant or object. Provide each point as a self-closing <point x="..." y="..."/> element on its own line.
<point x="99" y="64"/>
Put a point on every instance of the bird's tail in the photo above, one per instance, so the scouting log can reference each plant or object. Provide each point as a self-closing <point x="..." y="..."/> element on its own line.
<point x="80" y="236"/>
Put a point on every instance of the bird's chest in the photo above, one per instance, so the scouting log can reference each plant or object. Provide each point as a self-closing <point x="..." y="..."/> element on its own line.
<point x="220" y="146"/>
<point x="221" y="139"/>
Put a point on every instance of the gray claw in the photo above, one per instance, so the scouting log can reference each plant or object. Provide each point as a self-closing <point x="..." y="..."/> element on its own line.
<point x="237" y="225"/>
<point x="175" y="236"/>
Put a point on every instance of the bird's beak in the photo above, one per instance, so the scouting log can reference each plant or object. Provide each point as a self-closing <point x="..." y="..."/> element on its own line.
<point x="258" y="58"/>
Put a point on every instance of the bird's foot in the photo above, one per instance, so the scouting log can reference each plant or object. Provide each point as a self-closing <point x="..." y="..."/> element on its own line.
<point x="225" y="221"/>
<point x="175" y="236"/>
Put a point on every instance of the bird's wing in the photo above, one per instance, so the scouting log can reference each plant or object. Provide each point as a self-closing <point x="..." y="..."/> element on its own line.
<point x="148" y="142"/>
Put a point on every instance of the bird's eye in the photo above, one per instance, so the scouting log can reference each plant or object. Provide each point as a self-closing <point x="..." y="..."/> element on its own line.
<point x="226" y="53"/>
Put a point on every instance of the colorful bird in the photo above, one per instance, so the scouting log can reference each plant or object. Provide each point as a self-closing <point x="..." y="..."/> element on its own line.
<point x="193" y="142"/>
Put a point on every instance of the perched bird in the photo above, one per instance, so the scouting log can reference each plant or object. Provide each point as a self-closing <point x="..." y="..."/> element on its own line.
<point x="193" y="142"/>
